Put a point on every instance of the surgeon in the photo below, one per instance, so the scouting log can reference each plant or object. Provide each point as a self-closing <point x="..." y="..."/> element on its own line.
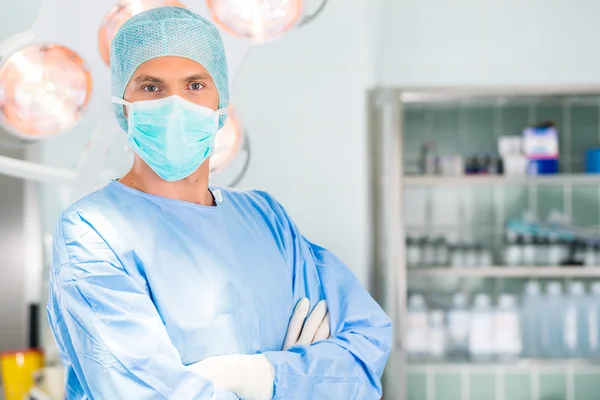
<point x="163" y="287"/>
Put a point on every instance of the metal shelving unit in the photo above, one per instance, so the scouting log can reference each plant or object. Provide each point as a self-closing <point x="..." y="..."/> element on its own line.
<point x="388" y="109"/>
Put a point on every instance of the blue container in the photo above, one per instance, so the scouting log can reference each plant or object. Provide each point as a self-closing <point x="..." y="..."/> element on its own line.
<point x="543" y="167"/>
<point x="592" y="161"/>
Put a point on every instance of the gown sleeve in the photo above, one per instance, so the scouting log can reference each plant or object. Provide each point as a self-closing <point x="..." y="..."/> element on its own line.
<point x="108" y="329"/>
<point x="349" y="365"/>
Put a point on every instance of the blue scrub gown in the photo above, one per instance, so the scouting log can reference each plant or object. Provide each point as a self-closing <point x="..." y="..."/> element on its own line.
<point x="142" y="286"/>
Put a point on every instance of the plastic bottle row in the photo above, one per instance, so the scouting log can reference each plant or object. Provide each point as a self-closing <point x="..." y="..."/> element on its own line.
<point x="553" y="242"/>
<point x="430" y="252"/>
<point x="549" y="324"/>
<point x="519" y="250"/>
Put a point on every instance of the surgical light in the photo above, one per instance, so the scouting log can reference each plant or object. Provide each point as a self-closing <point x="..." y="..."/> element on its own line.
<point x="227" y="142"/>
<point x="120" y="13"/>
<point x="259" y="20"/>
<point x="44" y="89"/>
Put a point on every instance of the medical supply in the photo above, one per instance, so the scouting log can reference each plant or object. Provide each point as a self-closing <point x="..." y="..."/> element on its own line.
<point x="437" y="335"/>
<point x="594" y="320"/>
<point x="576" y="322"/>
<point x="167" y="31"/>
<point x="441" y="251"/>
<point x="507" y="329"/>
<point x="513" y="246"/>
<point x="540" y="147"/>
<point x="452" y="165"/>
<point x="529" y="252"/>
<point x="413" y="252"/>
<point x="541" y="243"/>
<point x="515" y="165"/>
<point x="18" y="369"/>
<point x="510" y="145"/>
<point x="459" y="320"/>
<point x="470" y="255"/>
<point x="429" y="159"/>
<point x="428" y="251"/>
<point x="589" y="257"/>
<point x="552" y="329"/>
<point x="531" y="320"/>
<point x="510" y="148"/>
<point x="148" y="285"/>
<point x="592" y="161"/>
<point x="457" y="258"/>
<point x="172" y="135"/>
<point x="481" y="333"/>
<point x="417" y="329"/>
<point x="556" y="252"/>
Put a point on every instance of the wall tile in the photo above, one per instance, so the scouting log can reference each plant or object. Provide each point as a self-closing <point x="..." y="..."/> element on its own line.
<point x="586" y="205"/>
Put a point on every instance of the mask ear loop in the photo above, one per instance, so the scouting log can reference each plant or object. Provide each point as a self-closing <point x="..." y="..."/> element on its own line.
<point x="127" y="104"/>
<point x="117" y="100"/>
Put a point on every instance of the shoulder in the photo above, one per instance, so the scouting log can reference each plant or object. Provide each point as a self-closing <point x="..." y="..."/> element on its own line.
<point x="256" y="198"/>
<point x="96" y="203"/>
<point x="75" y="224"/>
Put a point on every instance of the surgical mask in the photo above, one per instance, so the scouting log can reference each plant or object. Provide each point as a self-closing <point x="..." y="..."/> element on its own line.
<point x="172" y="135"/>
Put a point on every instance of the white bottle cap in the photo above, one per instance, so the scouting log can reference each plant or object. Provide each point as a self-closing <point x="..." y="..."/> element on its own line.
<point x="416" y="301"/>
<point x="554" y="289"/>
<point x="459" y="300"/>
<point x="596" y="288"/>
<point x="507" y="301"/>
<point x="577" y="289"/>
<point x="436" y="317"/>
<point x="482" y="301"/>
<point x="532" y="288"/>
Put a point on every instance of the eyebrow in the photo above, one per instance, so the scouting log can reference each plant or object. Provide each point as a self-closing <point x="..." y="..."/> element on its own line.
<point x="148" y="79"/>
<point x="197" y="77"/>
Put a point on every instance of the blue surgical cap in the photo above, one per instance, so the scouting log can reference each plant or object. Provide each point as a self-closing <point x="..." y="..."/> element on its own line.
<point x="167" y="31"/>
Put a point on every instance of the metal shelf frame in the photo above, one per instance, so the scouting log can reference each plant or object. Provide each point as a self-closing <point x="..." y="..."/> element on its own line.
<point x="507" y="272"/>
<point x="390" y="273"/>
<point x="471" y="180"/>
<point x="534" y="369"/>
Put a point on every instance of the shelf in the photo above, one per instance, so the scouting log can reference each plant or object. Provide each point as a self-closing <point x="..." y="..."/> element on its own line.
<point x="468" y="180"/>
<point x="520" y="365"/>
<point x="507" y="272"/>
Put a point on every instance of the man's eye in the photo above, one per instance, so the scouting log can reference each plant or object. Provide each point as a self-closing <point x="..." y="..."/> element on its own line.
<point x="196" y="86"/>
<point x="151" y="88"/>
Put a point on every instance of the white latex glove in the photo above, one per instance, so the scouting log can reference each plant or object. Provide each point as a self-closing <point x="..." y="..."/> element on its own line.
<point x="249" y="377"/>
<point x="303" y="331"/>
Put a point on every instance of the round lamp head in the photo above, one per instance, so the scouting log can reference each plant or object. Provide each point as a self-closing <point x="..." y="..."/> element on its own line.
<point x="44" y="90"/>
<point x="120" y="13"/>
<point x="260" y="20"/>
<point x="227" y="142"/>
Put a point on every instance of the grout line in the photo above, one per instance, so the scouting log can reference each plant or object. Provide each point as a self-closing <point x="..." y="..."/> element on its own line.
<point x="532" y="194"/>
<point x="568" y="200"/>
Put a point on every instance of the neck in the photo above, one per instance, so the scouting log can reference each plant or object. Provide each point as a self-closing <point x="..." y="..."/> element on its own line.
<point x="193" y="189"/>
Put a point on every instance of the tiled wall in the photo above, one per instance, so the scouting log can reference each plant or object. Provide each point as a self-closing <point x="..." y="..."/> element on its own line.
<point x="552" y="384"/>
<point x="478" y="213"/>
<point x="472" y="127"/>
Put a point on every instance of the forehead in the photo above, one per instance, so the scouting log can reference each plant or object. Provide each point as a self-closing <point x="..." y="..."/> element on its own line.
<point x="170" y="67"/>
